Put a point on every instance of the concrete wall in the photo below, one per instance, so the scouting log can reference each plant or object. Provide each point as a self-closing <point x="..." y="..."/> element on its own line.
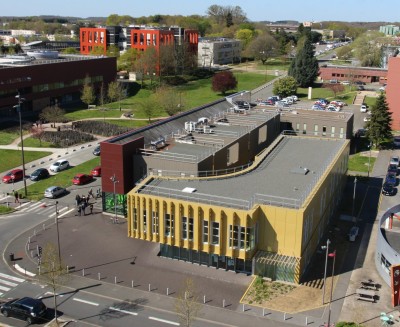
<point x="392" y="92"/>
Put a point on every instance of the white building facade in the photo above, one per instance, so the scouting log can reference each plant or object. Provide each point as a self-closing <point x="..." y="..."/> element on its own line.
<point x="218" y="51"/>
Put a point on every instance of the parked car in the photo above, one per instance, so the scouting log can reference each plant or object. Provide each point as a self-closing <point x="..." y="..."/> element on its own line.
<point x="266" y="103"/>
<point x="294" y="97"/>
<point x="332" y="107"/>
<point x="317" y="107"/>
<point x="367" y="118"/>
<point x="363" y="108"/>
<point x="80" y="179"/>
<point x="287" y="100"/>
<point x="96" y="171"/>
<point x="53" y="192"/>
<point x="396" y="141"/>
<point x="359" y="83"/>
<point x="360" y="88"/>
<point x="394" y="160"/>
<point x="26" y="308"/>
<point x="12" y="176"/>
<point x="391" y="179"/>
<point x="39" y="174"/>
<point x="345" y="82"/>
<point x="388" y="189"/>
<point x="274" y="98"/>
<point x="392" y="168"/>
<point x="96" y="150"/>
<point x="59" y="165"/>
<point x="353" y="233"/>
<point x="242" y="104"/>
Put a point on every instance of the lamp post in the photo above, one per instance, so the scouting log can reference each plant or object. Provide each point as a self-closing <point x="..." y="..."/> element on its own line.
<point x="18" y="106"/>
<point x="354" y="197"/>
<point x="58" y="236"/>
<point x="369" y="158"/>
<point x="333" y="254"/>
<point x="115" y="181"/>
<point x="326" y="248"/>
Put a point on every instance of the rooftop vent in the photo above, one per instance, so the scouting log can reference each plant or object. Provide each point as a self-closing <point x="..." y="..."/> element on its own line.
<point x="300" y="170"/>
<point x="189" y="190"/>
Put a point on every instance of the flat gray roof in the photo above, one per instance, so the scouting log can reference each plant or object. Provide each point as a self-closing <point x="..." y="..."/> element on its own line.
<point x="285" y="177"/>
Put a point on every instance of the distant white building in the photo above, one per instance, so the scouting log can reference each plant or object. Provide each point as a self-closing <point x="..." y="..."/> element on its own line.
<point x="389" y="29"/>
<point x="218" y="51"/>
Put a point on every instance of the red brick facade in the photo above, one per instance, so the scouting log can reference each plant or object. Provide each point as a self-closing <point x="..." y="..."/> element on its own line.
<point x="392" y="92"/>
<point x="349" y="73"/>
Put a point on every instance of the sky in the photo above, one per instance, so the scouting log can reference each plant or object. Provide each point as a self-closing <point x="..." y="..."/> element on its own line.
<point x="256" y="10"/>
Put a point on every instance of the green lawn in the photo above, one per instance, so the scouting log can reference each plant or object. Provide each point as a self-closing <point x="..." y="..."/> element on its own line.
<point x="321" y="92"/>
<point x="370" y="101"/>
<point x="360" y="163"/>
<point x="194" y="94"/>
<point x="7" y="137"/>
<point x="35" y="143"/>
<point x="63" y="179"/>
<point x="5" y="209"/>
<point x="12" y="158"/>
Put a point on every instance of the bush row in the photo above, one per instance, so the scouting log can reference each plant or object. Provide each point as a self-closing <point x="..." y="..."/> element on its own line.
<point x="99" y="128"/>
<point x="66" y="138"/>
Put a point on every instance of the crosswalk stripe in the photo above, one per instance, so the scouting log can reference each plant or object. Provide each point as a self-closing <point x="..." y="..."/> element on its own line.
<point x="35" y="205"/>
<point x="3" y="288"/>
<point x="24" y="204"/>
<point x="6" y="282"/>
<point x="1" y="294"/>
<point x="59" y="211"/>
<point x="66" y="213"/>
<point x="16" y="279"/>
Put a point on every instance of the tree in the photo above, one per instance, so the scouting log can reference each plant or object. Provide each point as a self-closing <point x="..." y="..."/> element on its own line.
<point x="335" y="88"/>
<point x="53" y="115"/>
<point x="87" y="95"/>
<point x="262" y="47"/>
<point x="224" y="81"/>
<point x="245" y="36"/>
<point x="187" y="304"/>
<point x="147" y="63"/>
<point x="344" y="53"/>
<point x="304" y="67"/>
<point x="37" y="132"/>
<point x="285" y="86"/>
<point x="367" y="49"/>
<point x="115" y="92"/>
<point x="52" y="271"/>
<point x="229" y="20"/>
<point x="102" y="95"/>
<point x="149" y="107"/>
<point x="379" y="127"/>
<point x="169" y="99"/>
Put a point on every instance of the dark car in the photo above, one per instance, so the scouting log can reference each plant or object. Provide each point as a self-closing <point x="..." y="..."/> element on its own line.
<point x="26" y="308"/>
<point x="392" y="168"/>
<point x="388" y="189"/>
<point x="242" y="104"/>
<point x="96" y="151"/>
<point x="39" y="174"/>
<point x="391" y="179"/>
<point x="13" y="176"/>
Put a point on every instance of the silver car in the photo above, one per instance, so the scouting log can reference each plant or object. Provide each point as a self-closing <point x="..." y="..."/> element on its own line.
<point x="54" y="191"/>
<point x="59" y="165"/>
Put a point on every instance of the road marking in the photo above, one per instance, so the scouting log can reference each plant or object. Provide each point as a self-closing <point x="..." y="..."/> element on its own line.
<point x="3" y="288"/>
<point x="16" y="279"/>
<point x="54" y="213"/>
<point x="33" y="206"/>
<point x="66" y="213"/>
<point x="165" y="321"/>
<point x="87" y="302"/>
<point x="4" y="198"/>
<point x="1" y="294"/>
<point x="23" y="205"/>
<point x="123" y="311"/>
<point x="5" y="282"/>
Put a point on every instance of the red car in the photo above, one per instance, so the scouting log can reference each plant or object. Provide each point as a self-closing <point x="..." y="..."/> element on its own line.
<point x="13" y="175"/>
<point x="96" y="171"/>
<point x="81" y="179"/>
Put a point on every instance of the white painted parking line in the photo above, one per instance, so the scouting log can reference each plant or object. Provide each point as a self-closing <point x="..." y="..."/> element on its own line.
<point x="66" y="213"/>
<point x="123" y="311"/>
<point x="16" y="279"/>
<point x="84" y="301"/>
<point x="165" y="321"/>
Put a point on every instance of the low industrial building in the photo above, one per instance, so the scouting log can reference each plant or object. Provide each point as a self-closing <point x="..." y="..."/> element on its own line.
<point x="225" y="188"/>
<point x="351" y="73"/>
<point x="218" y="51"/>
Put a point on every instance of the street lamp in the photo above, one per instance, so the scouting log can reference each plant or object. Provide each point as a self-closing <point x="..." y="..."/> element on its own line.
<point x="369" y="158"/>
<point x="18" y="107"/>
<point x="115" y="181"/>
<point x="58" y="236"/>
<point x="354" y="198"/>
<point x="332" y="255"/>
<point x="326" y="248"/>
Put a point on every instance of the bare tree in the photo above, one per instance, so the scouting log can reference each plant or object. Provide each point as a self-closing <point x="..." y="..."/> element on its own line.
<point x="115" y="92"/>
<point x="37" y="132"/>
<point x="53" y="115"/>
<point x="52" y="272"/>
<point x="187" y="305"/>
<point x="263" y="47"/>
<point x="170" y="99"/>
<point x="335" y="88"/>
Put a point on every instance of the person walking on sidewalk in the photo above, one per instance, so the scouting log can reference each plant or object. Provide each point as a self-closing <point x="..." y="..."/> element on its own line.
<point x="16" y="196"/>
<point x="90" y="194"/>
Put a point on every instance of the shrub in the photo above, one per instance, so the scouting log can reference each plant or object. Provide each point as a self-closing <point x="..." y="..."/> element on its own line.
<point x="99" y="128"/>
<point x="66" y="138"/>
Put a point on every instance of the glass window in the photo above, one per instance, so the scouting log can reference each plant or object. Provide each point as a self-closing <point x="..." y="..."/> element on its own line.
<point x="134" y="218"/>
<point x="297" y="127"/>
<point x="315" y="130"/>
<point x="230" y="236"/>
<point x="205" y="231"/>
<point x="235" y="236"/>
<point x="304" y="128"/>
<point x="155" y="222"/>
<point x="333" y="131"/>
<point x="215" y="233"/>
<point x="341" y="132"/>
<point x="323" y="130"/>
<point x="144" y="222"/>
<point x="191" y="228"/>
<point x="167" y="224"/>
<point x="242" y="236"/>
<point x="184" y="228"/>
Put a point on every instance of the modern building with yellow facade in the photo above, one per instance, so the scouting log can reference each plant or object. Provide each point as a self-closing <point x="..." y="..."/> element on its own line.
<point x="233" y="192"/>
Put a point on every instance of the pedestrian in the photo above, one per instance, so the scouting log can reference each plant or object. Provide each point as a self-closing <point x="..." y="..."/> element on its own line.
<point x="16" y="195"/>
<point x="77" y="200"/>
<point x="80" y="210"/>
<point x="83" y="208"/>
<point x="90" y="194"/>
<point x="91" y="209"/>
<point x="97" y="193"/>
